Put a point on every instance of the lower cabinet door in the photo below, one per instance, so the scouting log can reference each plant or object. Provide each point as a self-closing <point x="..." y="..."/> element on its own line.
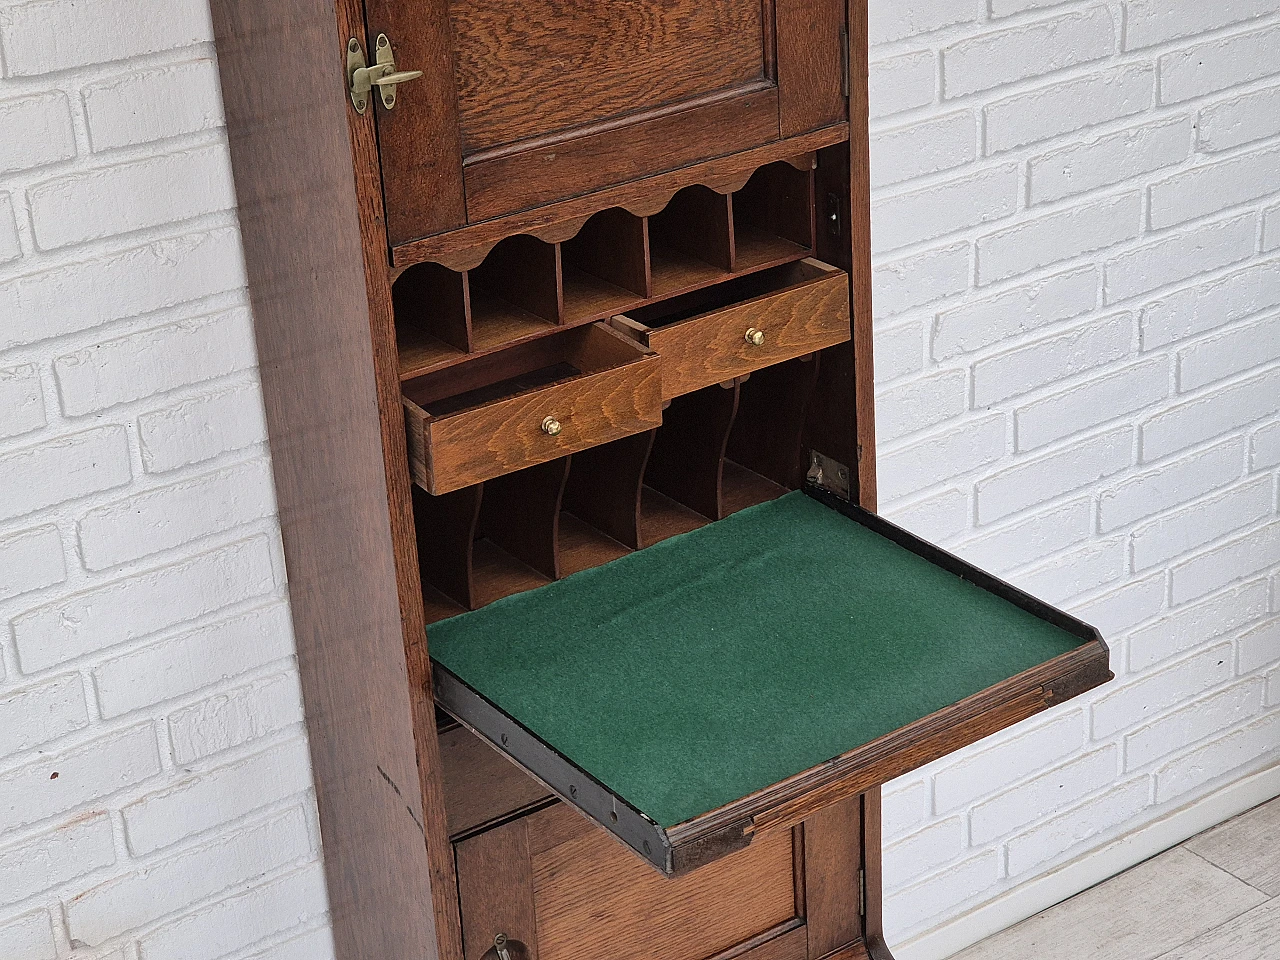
<point x="554" y="886"/>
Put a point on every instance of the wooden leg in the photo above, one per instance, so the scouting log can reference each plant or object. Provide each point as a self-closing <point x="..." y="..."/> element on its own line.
<point x="832" y="838"/>
<point x="873" y="877"/>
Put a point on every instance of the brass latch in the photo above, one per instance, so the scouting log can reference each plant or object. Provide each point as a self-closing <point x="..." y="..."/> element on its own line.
<point x="362" y="78"/>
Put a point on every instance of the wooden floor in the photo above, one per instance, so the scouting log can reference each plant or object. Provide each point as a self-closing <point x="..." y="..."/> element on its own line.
<point x="1215" y="897"/>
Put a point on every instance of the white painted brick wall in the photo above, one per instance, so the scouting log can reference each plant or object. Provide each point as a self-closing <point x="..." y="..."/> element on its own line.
<point x="155" y="786"/>
<point x="1078" y="357"/>
<point x="1111" y="440"/>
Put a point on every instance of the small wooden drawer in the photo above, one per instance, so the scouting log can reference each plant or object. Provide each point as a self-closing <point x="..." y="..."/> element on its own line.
<point x="563" y="889"/>
<point x="742" y="325"/>
<point x="528" y="404"/>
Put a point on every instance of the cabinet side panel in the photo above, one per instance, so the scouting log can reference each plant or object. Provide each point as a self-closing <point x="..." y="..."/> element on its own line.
<point x="860" y="235"/>
<point x="841" y="421"/>
<point x="282" y="78"/>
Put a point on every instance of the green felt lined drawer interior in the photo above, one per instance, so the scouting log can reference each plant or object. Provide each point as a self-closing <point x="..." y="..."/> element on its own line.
<point x="742" y="675"/>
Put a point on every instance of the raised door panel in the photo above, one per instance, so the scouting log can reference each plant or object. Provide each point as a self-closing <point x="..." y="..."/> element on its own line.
<point x="524" y="104"/>
<point x="527" y="71"/>
<point x="566" y="890"/>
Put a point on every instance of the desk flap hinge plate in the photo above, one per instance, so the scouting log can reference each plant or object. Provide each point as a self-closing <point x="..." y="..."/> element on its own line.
<point x="862" y="893"/>
<point x="829" y="475"/>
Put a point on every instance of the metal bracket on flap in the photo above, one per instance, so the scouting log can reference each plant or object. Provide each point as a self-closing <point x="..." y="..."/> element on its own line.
<point x="829" y="474"/>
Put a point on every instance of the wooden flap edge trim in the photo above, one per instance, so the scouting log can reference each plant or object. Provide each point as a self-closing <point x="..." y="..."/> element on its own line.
<point x="912" y="746"/>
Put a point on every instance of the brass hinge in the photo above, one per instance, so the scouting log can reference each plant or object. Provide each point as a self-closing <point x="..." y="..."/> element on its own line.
<point x="362" y="78"/>
<point x="862" y="892"/>
<point x="846" y="62"/>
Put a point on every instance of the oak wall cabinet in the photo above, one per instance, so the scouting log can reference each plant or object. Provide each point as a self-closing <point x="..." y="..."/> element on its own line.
<point x="564" y="320"/>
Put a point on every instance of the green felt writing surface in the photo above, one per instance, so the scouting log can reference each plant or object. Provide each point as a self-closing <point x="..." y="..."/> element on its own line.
<point x="714" y="664"/>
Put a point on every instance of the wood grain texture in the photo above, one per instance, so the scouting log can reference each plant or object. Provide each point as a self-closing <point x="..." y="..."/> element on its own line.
<point x="661" y="517"/>
<point x="594" y="898"/>
<point x="801" y="318"/>
<point x="793" y="801"/>
<point x="497" y="324"/>
<point x="497" y="574"/>
<point x="785" y="942"/>
<point x="1251" y="936"/>
<point x="699" y="223"/>
<point x="873" y="865"/>
<point x="495" y="888"/>
<point x="477" y="444"/>
<point x="465" y="247"/>
<point x="745" y="488"/>
<point x="431" y="302"/>
<point x="582" y="546"/>
<point x="811" y="64"/>
<point x="767" y="434"/>
<point x="777" y="201"/>
<point x="446" y="531"/>
<point x="524" y="271"/>
<point x="1247" y="847"/>
<point x="521" y="514"/>
<point x="832" y="858"/>
<point x="575" y="63"/>
<point x="420" y="141"/>
<point x="1141" y="914"/>
<point x="687" y="462"/>
<point x="736" y="120"/>
<point x="859" y="245"/>
<point x="482" y="785"/>
<point x="856" y="951"/>
<point x="305" y="208"/>
<point x="614" y="246"/>
<point x="605" y="484"/>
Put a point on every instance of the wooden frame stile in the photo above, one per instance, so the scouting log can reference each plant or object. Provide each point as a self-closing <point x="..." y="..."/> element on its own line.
<point x="312" y="223"/>
<point x="871" y="889"/>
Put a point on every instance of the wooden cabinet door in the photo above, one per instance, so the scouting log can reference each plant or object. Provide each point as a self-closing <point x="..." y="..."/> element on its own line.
<point x="528" y="101"/>
<point x="564" y="889"/>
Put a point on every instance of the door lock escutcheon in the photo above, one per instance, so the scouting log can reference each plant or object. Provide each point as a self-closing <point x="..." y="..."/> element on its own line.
<point x="362" y="78"/>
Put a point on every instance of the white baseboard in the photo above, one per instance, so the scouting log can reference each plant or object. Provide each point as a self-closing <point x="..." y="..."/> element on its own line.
<point x="1092" y="868"/>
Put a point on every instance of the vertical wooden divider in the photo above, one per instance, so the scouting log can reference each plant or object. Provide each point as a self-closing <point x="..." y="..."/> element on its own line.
<point x="525" y="271"/>
<point x="698" y="222"/>
<point x="614" y="246"/>
<point x="687" y="462"/>
<point x="604" y="487"/>
<point x="521" y="514"/>
<point x="446" y="532"/>
<point x="778" y="200"/>
<point x="768" y="430"/>
<point x="435" y="300"/>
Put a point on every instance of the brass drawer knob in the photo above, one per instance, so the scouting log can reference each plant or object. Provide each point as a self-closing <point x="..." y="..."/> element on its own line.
<point x="755" y="337"/>
<point x="551" y="427"/>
